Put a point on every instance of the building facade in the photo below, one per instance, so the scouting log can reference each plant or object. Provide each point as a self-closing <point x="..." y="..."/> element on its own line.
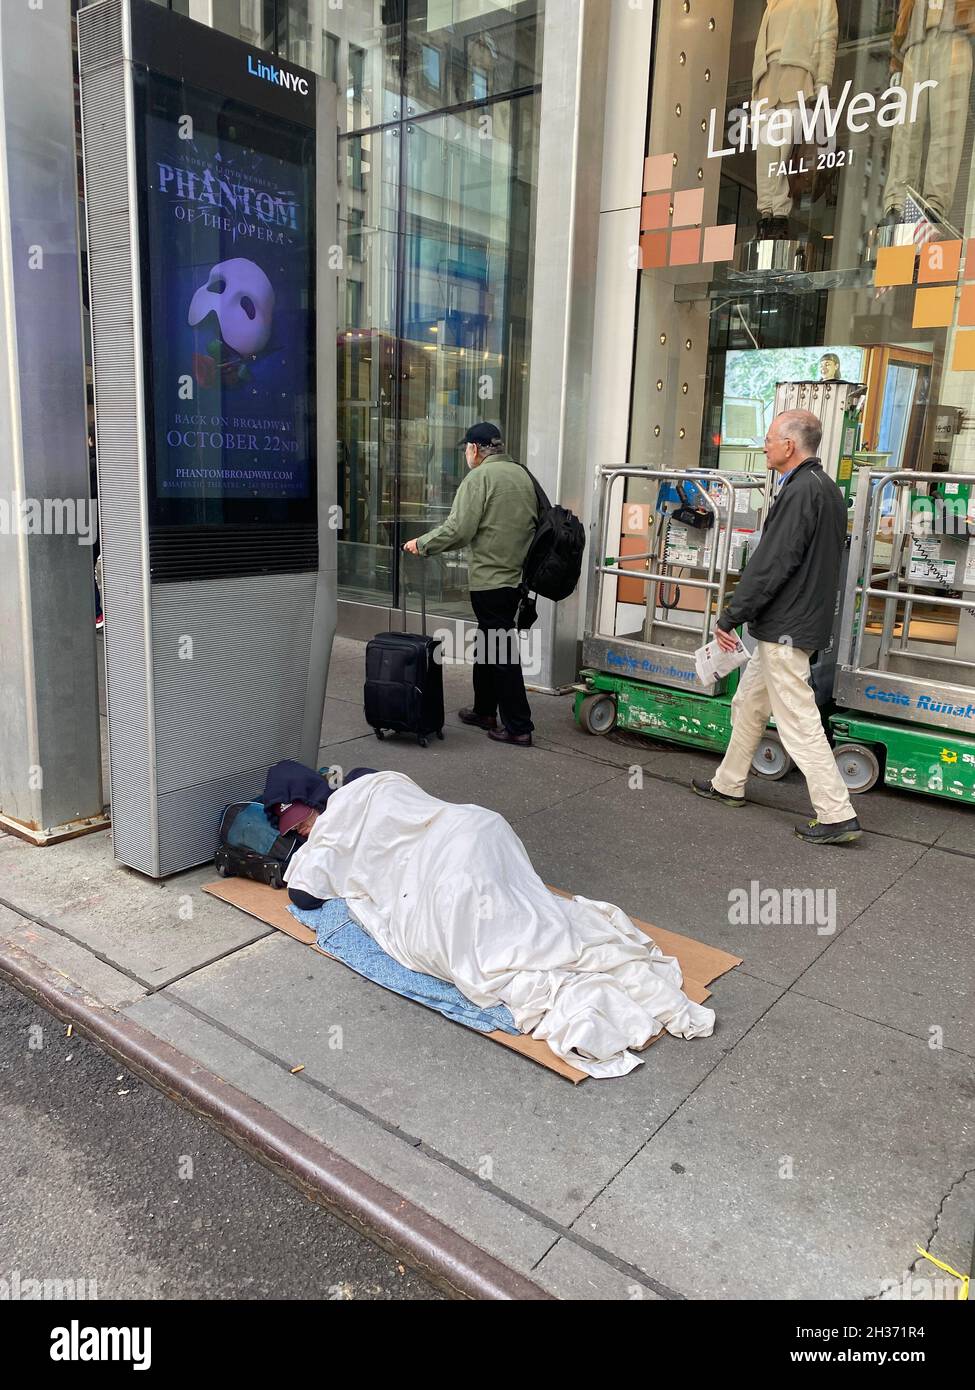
<point x="614" y="227"/>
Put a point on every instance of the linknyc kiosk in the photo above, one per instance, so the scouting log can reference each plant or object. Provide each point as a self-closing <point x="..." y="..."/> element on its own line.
<point x="210" y="177"/>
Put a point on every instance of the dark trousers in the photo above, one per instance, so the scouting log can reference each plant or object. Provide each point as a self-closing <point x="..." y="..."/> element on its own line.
<point x="499" y="686"/>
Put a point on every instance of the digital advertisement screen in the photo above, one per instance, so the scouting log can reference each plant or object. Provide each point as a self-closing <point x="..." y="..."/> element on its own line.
<point x="228" y="207"/>
<point x="752" y="375"/>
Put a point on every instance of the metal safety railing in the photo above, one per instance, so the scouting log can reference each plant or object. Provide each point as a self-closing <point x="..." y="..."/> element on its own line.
<point x="611" y="564"/>
<point x="863" y="584"/>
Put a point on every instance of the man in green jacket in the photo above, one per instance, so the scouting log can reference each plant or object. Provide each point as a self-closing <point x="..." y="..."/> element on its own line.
<point x="494" y="514"/>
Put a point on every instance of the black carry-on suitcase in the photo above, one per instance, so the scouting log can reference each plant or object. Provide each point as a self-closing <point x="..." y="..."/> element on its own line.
<point x="404" y="681"/>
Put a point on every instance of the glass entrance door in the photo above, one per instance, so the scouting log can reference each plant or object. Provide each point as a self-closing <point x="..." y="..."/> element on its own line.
<point x="437" y="212"/>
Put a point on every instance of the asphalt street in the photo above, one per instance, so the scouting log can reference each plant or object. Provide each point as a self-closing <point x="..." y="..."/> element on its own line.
<point x="106" y="1180"/>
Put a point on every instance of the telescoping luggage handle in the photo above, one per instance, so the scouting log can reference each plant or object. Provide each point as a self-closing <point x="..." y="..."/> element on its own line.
<point x="423" y="592"/>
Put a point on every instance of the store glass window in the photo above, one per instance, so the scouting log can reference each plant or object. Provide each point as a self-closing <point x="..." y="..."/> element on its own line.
<point x="439" y="111"/>
<point x="469" y="50"/>
<point x="809" y="195"/>
<point x="466" y="305"/>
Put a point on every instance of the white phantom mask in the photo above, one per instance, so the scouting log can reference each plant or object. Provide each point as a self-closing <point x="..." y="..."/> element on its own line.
<point x="242" y="297"/>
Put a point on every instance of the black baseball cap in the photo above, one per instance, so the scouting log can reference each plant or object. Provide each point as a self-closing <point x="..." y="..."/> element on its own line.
<point x="483" y="435"/>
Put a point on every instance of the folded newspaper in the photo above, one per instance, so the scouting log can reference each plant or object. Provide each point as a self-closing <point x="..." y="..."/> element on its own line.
<point x="712" y="663"/>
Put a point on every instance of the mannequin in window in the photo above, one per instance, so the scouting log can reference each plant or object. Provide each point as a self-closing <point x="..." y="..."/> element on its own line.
<point x="829" y="367"/>
<point x="932" y="42"/>
<point x="795" y="52"/>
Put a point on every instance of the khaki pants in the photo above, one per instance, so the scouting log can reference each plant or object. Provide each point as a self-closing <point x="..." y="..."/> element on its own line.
<point x="780" y="86"/>
<point x="772" y="188"/>
<point x="776" y="682"/>
<point x="939" y="131"/>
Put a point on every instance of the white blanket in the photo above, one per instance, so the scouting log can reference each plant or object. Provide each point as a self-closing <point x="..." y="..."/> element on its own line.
<point x="450" y="891"/>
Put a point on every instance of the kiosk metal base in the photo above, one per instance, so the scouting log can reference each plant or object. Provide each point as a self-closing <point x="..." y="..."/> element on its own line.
<point x="54" y="834"/>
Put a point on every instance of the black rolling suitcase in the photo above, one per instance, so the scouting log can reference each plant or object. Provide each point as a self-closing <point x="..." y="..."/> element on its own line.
<point x="404" y="681"/>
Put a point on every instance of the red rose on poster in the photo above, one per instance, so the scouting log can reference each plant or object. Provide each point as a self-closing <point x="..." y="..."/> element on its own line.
<point x="204" y="370"/>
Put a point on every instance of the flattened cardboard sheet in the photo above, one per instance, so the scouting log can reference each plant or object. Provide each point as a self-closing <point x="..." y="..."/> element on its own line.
<point x="701" y="964"/>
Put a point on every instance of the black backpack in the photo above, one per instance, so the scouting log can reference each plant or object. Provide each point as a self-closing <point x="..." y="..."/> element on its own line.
<point x="250" y="846"/>
<point x="553" y="565"/>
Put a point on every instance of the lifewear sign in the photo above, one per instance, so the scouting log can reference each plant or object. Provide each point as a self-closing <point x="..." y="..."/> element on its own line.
<point x="791" y="125"/>
<point x="269" y="72"/>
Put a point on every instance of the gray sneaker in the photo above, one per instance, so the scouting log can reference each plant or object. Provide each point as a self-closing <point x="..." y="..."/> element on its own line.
<point x="709" y="790"/>
<point x="842" y="832"/>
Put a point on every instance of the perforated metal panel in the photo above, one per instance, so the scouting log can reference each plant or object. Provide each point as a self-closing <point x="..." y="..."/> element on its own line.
<point x="230" y="670"/>
<point x="100" y="35"/>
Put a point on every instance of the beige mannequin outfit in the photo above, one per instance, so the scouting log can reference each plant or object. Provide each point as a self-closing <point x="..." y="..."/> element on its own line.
<point x="795" y="52"/>
<point x="932" y="40"/>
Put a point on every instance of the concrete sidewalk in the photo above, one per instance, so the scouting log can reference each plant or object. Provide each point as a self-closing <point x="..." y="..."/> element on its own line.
<point x="803" y="1151"/>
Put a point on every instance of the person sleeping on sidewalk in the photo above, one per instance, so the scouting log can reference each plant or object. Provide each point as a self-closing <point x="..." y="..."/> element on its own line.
<point x="449" y="891"/>
<point x="294" y="797"/>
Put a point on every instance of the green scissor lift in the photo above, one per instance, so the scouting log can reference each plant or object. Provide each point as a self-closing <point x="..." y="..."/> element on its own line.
<point x="604" y="702"/>
<point x="905" y="709"/>
<point x="643" y="685"/>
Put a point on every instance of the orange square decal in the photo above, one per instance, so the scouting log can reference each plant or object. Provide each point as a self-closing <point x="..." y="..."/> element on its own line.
<point x="719" y="242"/>
<point x="934" y="308"/>
<point x="689" y="207"/>
<point x="940" y="260"/>
<point x="656" y="212"/>
<point x="658" y="172"/>
<point x="966" y="309"/>
<point x="653" y="250"/>
<point x="964" y="356"/>
<point x="895" y="266"/>
<point x="685" y="247"/>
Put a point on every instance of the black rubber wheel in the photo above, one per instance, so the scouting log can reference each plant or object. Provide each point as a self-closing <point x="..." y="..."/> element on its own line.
<point x="223" y="868"/>
<point x="597" y="713"/>
<point x="422" y="742"/>
<point x="380" y="735"/>
<point x="275" y="878"/>
<point x="441" y="735"/>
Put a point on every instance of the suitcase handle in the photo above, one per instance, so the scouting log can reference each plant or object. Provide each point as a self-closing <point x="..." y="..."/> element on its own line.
<point x="423" y="592"/>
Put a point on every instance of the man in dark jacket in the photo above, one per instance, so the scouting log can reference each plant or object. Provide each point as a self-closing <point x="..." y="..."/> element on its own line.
<point x="787" y="596"/>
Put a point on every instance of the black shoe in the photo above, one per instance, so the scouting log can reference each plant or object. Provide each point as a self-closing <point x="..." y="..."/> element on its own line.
<point x="707" y="789"/>
<point x="779" y="230"/>
<point x="504" y="736"/>
<point x="479" y="721"/>
<point x="842" y="832"/>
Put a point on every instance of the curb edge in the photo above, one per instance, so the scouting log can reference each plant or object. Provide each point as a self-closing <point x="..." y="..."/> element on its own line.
<point x="441" y="1255"/>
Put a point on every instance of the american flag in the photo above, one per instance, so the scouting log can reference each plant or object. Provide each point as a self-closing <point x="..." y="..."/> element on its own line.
<point x="924" y="229"/>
